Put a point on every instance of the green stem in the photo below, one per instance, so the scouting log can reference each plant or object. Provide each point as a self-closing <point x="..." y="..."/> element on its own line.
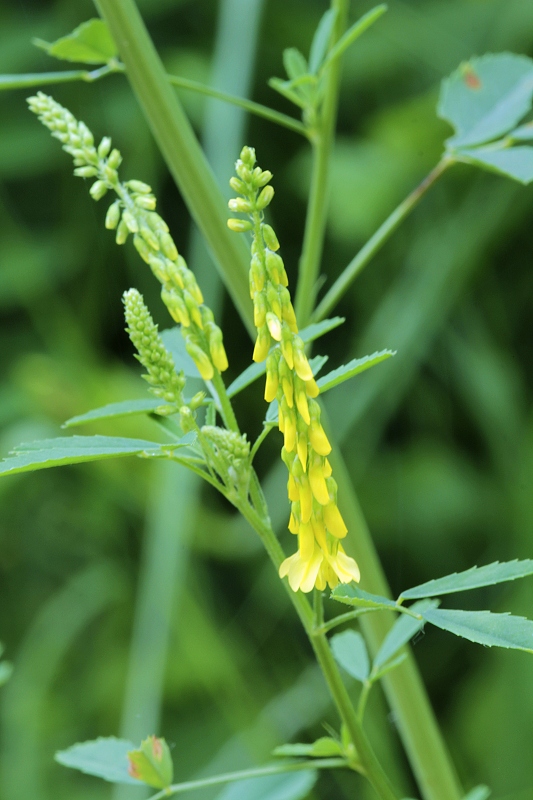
<point x="315" y="224"/>
<point x="267" y="427"/>
<point x="179" y="147"/>
<point x="370" y="765"/>
<point x="376" y="242"/>
<point x="67" y="76"/>
<point x="259" y="772"/>
<point x="363" y="697"/>
<point x="249" y="105"/>
<point x="226" y="409"/>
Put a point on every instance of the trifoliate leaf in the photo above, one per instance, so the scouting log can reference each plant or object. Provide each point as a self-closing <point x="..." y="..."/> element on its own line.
<point x="354" y="367"/>
<point x="126" y="408"/>
<point x="401" y="632"/>
<point x="512" y="162"/>
<point x="486" y="97"/>
<point x="319" y="45"/>
<point x="353" y="596"/>
<point x="152" y="763"/>
<point x="89" y="43"/>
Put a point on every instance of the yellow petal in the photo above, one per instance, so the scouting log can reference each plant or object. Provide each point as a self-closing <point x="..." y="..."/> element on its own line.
<point x="301" y="402"/>
<point x="318" y="484"/>
<point x="334" y="521"/>
<point x="318" y="439"/>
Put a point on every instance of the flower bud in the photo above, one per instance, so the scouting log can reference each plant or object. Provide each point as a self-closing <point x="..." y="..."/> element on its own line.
<point x="139" y="186"/>
<point x="114" y="160"/>
<point x="122" y="232"/>
<point x="98" y="190"/>
<point x="247" y="156"/>
<point x="113" y="215"/>
<point x="264" y="178"/>
<point x="239" y="205"/>
<point x="274" y="326"/>
<point x="271" y="240"/>
<point x="205" y="368"/>
<point x="85" y="172"/>
<point x="237" y="185"/>
<point x="104" y="147"/>
<point x="265" y="198"/>
<point x="239" y="225"/>
<point x="130" y="221"/>
<point x="145" y="201"/>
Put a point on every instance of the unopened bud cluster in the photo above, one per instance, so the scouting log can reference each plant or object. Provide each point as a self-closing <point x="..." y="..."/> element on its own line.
<point x="164" y="381"/>
<point x="134" y="213"/>
<point x="315" y="517"/>
<point x="231" y="451"/>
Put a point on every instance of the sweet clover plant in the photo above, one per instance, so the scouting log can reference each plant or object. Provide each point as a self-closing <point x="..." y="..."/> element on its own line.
<point x="487" y="101"/>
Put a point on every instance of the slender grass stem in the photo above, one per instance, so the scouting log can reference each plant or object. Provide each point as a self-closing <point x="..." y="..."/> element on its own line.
<point x="246" y="774"/>
<point x="315" y="224"/>
<point x="376" y="242"/>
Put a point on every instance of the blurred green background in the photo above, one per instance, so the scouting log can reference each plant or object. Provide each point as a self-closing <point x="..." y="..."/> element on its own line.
<point x="131" y="600"/>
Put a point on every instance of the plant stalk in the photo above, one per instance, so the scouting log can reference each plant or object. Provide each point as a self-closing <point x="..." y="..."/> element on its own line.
<point x="376" y="242"/>
<point x="179" y="147"/>
<point x="373" y="770"/>
<point x="315" y="224"/>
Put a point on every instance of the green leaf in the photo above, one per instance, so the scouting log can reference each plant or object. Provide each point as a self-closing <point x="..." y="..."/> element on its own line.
<point x="354" y="367"/>
<point x="486" y="97"/>
<point x="325" y="747"/>
<point x="513" y="162"/>
<point x="126" y="408"/>
<point x="291" y="786"/>
<point x="175" y="344"/>
<point x="524" y="133"/>
<point x="479" y="793"/>
<point x="353" y="596"/>
<point x="319" y="45"/>
<point x="353" y="33"/>
<point x="294" y="63"/>
<point x="78" y="449"/>
<point x="350" y="652"/>
<point x="472" y="578"/>
<point x="151" y="763"/>
<point x="89" y="43"/>
<point x="106" y="758"/>
<point x="401" y="632"/>
<point x="317" y="329"/>
<point x="484" y="627"/>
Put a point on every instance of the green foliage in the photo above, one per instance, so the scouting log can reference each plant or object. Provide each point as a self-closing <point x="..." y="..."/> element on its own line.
<point x="353" y="596"/>
<point x="483" y="627"/>
<point x="105" y="758"/>
<point x="79" y="449"/>
<point x="126" y="408"/>
<point x="402" y="632"/>
<point x="275" y="787"/>
<point x="350" y="652"/>
<point x="472" y="578"/>
<point x="354" y="367"/>
<point x="151" y="763"/>
<point x="89" y="43"/>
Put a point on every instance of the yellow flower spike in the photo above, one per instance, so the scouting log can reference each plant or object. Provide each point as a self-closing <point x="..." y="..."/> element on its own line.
<point x="262" y="344"/>
<point x="292" y="490"/>
<point x="319" y="530"/>
<point x="301" y="401"/>
<point x="319" y="440"/>
<point x="306" y="499"/>
<point x="216" y="348"/>
<point x="318" y="481"/>
<point x="274" y="325"/>
<point x="272" y="381"/>
<point x="293" y="524"/>
<point x="311" y="388"/>
<point x="289" y="425"/>
<point x="176" y="306"/>
<point x="205" y="367"/>
<point x="301" y="449"/>
<point x="273" y="300"/>
<point x="286" y="345"/>
<point x="334" y="521"/>
<point x="306" y="541"/>
<point x="301" y="364"/>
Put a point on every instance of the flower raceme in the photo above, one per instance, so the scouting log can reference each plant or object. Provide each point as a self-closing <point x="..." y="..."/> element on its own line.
<point x="134" y="213"/>
<point x="315" y="517"/>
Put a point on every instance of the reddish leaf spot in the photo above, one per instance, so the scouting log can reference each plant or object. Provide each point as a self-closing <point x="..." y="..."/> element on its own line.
<point x="132" y="769"/>
<point x="471" y="79"/>
<point x="157" y="748"/>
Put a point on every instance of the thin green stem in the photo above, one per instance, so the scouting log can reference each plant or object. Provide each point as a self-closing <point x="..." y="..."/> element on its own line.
<point x="179" y="147"/>
<point x="245" y="774"/>
<point x="342" y="618"/>
<point x="67" y="76"/>
<point x="267" y="427"/>
<point x="226" y="409"/>
<point x="315" y="224"/>
<point x="363" y="697"/>
<point x="376" y="242"/>
<point x="249" y="105"/>
<point x="370" y="765"/>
